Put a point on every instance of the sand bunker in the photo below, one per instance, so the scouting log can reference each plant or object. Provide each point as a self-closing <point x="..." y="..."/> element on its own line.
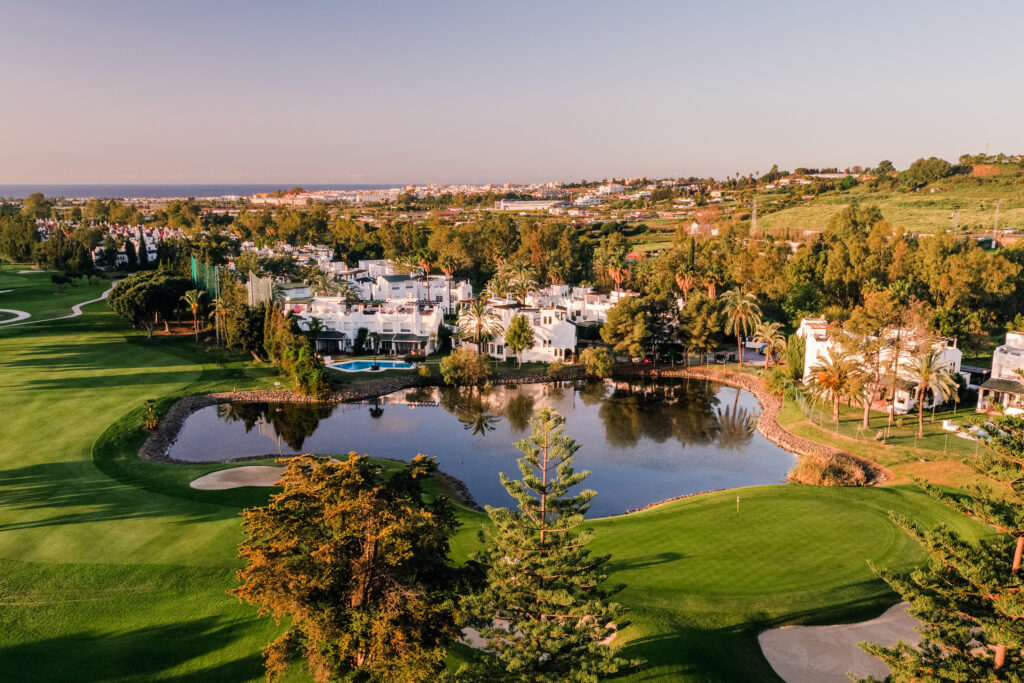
<point x="236" y="477"/>
<point x="819" y="654"/>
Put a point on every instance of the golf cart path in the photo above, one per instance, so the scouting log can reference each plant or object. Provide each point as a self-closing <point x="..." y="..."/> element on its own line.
<point x="822" y="654"/>
<point x="76" y="310"/>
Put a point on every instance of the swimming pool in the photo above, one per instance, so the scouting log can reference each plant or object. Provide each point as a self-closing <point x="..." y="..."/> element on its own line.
<point x="368" y="365"/>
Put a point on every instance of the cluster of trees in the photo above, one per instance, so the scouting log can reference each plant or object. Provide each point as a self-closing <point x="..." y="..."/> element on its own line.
<point x="148" y="298"/>
<point x="264" y="331"/>
<point x="970" y="595"/>
<point x="355" y="559"/>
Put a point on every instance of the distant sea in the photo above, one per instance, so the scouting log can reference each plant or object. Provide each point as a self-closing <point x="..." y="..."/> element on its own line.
<point x="125" y="191"/>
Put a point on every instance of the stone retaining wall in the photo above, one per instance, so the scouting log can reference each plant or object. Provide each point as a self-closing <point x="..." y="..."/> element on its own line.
<point x="767" y="422"/>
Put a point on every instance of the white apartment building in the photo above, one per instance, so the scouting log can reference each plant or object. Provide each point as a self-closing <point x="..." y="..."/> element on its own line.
<point x="818" y="344"/>
<point x="554" y="333"/>
<point x="436" y="290"/>
<point x="526" y="204"/>
<point x="1005" y="388"/>
<point x="581" y="303"/>
<point x="400" y="328"/>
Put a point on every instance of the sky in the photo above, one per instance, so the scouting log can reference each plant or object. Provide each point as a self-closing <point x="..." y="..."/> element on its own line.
<point x="481" y="91"/>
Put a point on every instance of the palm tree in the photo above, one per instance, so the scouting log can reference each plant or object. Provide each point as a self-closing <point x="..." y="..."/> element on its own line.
<point x="448" y="265"/>
<point x="931" y="374"/>
<point x="219" y="313"/>
<point x="347" y="291"/>
<point x="742" y="315"/>
<point x="314" y="327"/>
<point x="736" y="427"/>
<point x="831" y="379"/>
<point x="478" y="323"/>
<point x="770" y="334"/>
<point x="194" y="299"/>
<point x="521" y="278"/>
<point x="320" y="283"/>
<point x="425" y="259"/>
<point x="686" y="281"/>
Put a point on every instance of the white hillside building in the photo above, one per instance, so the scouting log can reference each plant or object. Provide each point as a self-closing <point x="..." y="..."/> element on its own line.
<point x="818" y="344"/>
<point x="1005" y="388"/>
<point x="554" y="333"/>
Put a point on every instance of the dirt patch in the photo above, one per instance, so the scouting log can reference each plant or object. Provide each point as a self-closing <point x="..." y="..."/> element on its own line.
<point x="981" y="170"/>
<point x="823" y="654"/>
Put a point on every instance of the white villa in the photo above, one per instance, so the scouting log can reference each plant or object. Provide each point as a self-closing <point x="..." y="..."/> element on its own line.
<point x="1005" y="388"/>
<point x="581" y="303"/>
<point x="400" y="328"/>
<point x="434" y="290"/>
<point x="553" y="330"/>
<point x="815" y="333"/>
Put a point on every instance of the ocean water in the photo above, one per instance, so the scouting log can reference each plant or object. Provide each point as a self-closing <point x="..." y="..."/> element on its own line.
<point x="184" y="190"/>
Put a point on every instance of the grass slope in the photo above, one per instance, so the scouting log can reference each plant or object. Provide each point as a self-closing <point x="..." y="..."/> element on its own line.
<point x="113" y="569"/>
<point x="35" y="294"/>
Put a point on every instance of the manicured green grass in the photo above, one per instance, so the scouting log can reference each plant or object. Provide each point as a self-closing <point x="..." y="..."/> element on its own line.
<point x="113" y="568"/>
<point x="35" y="294"/>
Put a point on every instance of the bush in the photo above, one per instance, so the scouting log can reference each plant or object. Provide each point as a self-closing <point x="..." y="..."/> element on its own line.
<point x="776" y="381"/>
<point x="795" y="357"/>
<point x="359" y="343"/>
<point x="596" y="361"/>
<point x="424" y="372"/>
<point x="464" y="367"/>
<point x="832" y="470"/>
<point x="556" y="369"/>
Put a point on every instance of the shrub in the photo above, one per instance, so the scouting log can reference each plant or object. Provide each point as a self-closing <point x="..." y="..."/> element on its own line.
<point x="424" y="371"/>
<point x="359" y="343"/>
<point x="829" y="470"/>
<point x="596" y="361"/>
<point x="464" y="367"/>
<point x="556" y="369"/>
<point x="776" y="381"/>
<point x="795" y="357"/>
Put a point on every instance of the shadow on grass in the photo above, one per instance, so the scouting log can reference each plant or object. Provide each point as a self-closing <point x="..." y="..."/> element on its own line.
<point x="138" y="654"/>
<point x="645" y="561"/>
<point x="69" y="495"/>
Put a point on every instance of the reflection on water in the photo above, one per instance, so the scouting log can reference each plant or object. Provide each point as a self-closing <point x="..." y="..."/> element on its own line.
<point x="643" y="442"/>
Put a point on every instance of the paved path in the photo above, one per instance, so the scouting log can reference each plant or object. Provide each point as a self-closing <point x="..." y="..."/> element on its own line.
<point x="76" y="310"/>
<point x="822" y="654"/>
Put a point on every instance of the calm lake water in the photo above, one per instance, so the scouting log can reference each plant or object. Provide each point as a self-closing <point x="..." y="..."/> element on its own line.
<point x="642" y="442"/>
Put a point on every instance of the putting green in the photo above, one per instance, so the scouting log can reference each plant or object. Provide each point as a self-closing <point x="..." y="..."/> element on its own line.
<point x="121" y="567"/>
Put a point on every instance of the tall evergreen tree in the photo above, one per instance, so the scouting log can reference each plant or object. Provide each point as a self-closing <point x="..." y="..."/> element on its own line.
<point x="970" y="597"/>
<point x="354" y="562"/>
<point x="543" y="611"/>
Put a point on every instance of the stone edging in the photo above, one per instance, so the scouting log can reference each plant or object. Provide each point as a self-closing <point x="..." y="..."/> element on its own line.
<point x="767" y="422"/>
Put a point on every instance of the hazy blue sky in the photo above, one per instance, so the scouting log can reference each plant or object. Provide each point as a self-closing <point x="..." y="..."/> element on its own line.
<point x="485" y="91"/>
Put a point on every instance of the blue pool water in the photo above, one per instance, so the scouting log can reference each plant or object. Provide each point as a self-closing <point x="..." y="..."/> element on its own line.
<point x="366" y="365"/>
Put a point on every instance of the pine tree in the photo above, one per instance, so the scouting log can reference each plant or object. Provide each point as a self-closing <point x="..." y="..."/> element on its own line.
<point x="969" y="596"/>
<point x="543" y="611"/>
<point x="353" y="563"/>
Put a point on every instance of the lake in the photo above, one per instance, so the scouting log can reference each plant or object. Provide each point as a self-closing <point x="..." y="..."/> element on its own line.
<point x="643" y="442"/>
